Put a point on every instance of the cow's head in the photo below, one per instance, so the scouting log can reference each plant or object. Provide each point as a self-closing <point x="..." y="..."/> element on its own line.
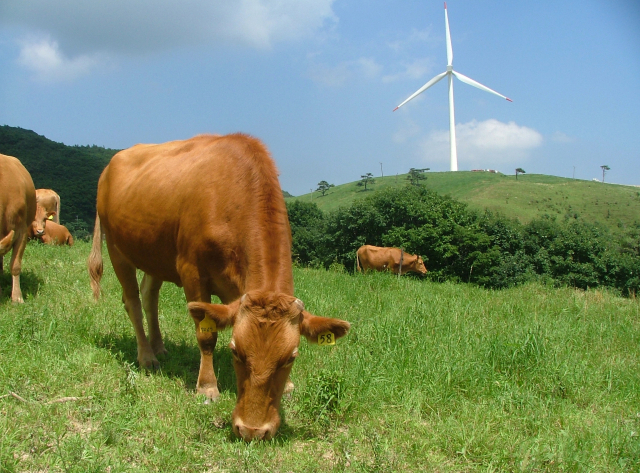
<point x="266" y="334"/>
<point x="40" y="220"/>
<point x="420" y="267"/>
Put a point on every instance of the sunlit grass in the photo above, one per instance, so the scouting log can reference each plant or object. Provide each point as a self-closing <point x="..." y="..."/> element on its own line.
<point x="432" y="377"/>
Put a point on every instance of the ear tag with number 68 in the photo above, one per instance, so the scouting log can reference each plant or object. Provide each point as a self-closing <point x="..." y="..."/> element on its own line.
<point x="326" y="338"/>
<point x="207" y="326"/>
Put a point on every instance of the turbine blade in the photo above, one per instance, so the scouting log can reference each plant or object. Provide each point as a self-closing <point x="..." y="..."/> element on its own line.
<point x="423" y="88"/>
<point x="468" y="80"/>
<point x="449" y="48"/>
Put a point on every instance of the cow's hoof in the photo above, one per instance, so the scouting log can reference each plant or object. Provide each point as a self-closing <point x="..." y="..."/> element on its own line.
<point x="151" y="364"/>
<point x="211" y="393"/>
<point x="161" y="350"/>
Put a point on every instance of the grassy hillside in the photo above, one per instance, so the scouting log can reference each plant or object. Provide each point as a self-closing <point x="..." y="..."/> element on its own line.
<point x="72" y="171"/>
<point x="532" y="195"/>
<point x="431" y="377"/>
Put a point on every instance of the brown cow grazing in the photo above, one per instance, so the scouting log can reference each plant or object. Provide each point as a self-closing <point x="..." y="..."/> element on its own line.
<point x="50" y="201"/>
<point x="17" y="211"/>
<point x="208" y="214"/>
<point x="389" y="259"/>
<point x="55" y="234"/>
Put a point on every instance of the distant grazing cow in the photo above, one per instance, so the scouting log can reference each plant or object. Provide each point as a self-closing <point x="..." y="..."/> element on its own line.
<point x="55" y="234"/>
<point x="50" y="201"/>
<point x="388" y="259"/>
<point x="208" y="214"/>
<point x="17" y="211"/>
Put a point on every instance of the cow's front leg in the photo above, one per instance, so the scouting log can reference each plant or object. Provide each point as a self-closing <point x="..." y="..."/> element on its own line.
<point x="207" y="382"/>
<point x="19" y="246"/>
<point x="195" y="290"/>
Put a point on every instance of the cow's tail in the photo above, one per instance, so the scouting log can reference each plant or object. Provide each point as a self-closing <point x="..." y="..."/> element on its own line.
<point x="70" y="240"/>
<point x="6" y="243"/>
<point x="94" y="263"/>
<point x="358" y="262"/>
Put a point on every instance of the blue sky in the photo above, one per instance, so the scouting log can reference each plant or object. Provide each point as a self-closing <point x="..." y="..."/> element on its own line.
<point x="317" y="81"/>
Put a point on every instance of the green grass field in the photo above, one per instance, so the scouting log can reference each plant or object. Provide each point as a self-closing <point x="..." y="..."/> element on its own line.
<point x="432" y="377"/>
<point x="532" y="195"/>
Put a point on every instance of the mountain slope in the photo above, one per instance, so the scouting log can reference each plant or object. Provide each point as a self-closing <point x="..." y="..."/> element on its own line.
<point x="72" y="171"/>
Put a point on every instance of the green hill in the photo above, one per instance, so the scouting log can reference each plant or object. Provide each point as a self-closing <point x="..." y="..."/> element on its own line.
<point x="530" y="196"/>
<point x="72" y="171"/>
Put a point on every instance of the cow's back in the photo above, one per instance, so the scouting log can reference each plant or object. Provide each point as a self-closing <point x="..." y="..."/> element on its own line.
<point x="211" y="200"/>
<point x="17" y="196"/>
<point x="374" y="257"/>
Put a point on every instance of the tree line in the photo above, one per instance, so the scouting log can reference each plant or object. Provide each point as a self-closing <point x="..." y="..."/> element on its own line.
<point x="71" y="171"/>
<point x="463" y="245"/>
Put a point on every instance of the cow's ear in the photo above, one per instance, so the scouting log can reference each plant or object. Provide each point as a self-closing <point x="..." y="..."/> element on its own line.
<point x="223" y="315"/>
<point x="312" y="326"/>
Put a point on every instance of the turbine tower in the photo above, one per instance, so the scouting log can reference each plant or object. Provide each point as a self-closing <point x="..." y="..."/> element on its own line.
<point x="450" y="73"/>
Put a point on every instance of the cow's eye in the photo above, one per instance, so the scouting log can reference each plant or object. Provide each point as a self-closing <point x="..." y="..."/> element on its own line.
<point x="291" y="359"/>
<point x="234" y="353"/>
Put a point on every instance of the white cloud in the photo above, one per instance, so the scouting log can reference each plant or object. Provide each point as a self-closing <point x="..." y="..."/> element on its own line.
<point x="414" y="38"/>
<point x="338" y="75"/>
<point x="560" y="137"/>
<point x="82" y="28"/>
<point x="44" y="58"/>
<point x="485" y="144"/>
<point x="415" y="70"/>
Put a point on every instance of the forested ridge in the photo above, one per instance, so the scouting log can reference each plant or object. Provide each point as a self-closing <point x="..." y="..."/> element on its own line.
<point x="72" y="171"/>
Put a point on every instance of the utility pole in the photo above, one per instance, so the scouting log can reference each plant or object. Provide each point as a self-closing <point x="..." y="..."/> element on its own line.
<point x="574" y="172"/>
<point x="381" y="170"/>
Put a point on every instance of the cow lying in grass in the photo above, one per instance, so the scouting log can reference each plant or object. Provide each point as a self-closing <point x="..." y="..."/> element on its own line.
<point x="53" y="234"/>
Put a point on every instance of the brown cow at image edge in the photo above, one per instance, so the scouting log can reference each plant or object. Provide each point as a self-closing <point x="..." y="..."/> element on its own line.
<point x="17" y="211"/>
<point x="208" y="214"/>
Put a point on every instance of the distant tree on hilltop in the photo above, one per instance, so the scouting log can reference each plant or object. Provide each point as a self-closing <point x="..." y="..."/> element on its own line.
<point x="416" y="175"/>
<point x="324" y="186"/>
<point x="520" y="171"/>
<point x="365" y="180"/>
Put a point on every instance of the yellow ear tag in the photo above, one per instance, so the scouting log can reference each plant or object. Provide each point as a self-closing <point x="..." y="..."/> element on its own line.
<point x="326" y="338"/>
<point x="207" y="326"/>
<point x="50" y="217"/>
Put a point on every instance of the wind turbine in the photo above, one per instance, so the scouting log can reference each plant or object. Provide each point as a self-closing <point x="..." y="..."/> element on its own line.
<point x="450" y="73"/>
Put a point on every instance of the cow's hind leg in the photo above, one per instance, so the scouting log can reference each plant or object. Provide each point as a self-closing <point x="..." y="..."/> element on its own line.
<point x="126" y="274"/>
<point x="150" y="291"/>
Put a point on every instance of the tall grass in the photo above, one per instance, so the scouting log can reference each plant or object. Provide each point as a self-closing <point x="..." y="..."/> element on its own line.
<point x="432" y="377"/>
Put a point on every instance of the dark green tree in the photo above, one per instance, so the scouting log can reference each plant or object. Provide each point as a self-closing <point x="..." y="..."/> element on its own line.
<point x="366" y="180"/>
<point x="416" y="175"/>
<point x="520" y="171"/>
<point x="324" y="186"/>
